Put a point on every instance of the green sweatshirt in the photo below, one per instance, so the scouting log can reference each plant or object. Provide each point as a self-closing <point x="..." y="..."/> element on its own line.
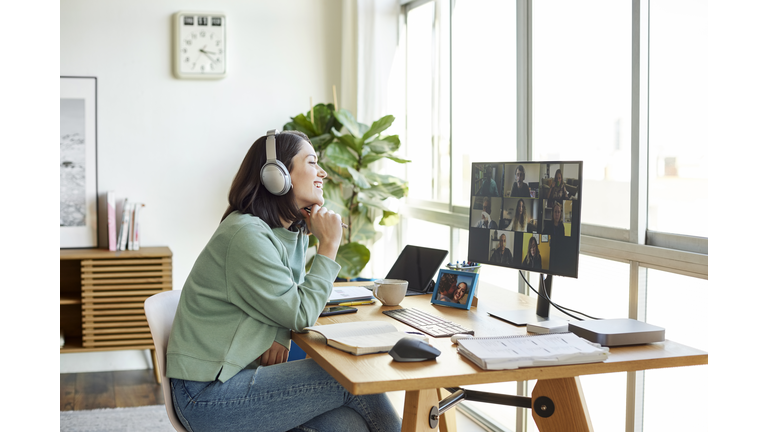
<point x="247" y="289"/>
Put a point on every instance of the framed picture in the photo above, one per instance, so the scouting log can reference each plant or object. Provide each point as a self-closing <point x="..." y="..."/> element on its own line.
<point x="78" y="191"/>
<point x="455" y="288"/>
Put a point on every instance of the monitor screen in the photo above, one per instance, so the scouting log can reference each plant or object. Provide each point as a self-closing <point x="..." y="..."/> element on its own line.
<point x="526" y="216"/>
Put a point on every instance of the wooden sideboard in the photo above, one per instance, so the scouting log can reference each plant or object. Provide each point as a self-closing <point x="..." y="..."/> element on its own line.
<point x="102" y="293"/>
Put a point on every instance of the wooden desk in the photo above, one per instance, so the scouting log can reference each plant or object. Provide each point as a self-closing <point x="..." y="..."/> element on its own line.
<point x="378" y="373"/>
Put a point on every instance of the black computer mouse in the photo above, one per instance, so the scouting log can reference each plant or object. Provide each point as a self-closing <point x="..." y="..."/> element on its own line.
<point x="410" y="349"/>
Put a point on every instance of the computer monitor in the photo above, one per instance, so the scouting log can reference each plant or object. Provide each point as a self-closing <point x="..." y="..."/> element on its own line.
<point x="527" y="216"/>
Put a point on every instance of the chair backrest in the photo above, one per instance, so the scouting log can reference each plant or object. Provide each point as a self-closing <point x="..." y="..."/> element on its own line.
<point x="160" y="310"/>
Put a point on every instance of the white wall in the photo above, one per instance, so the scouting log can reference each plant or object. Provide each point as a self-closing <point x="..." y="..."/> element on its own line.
<point x="175" y="145"/>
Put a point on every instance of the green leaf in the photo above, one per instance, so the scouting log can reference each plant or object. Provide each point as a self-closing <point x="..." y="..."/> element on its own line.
<point x="384" y="191"/>
<point x="394" y="140"/>
<point x="348" y="140"/>
<point x="378" y="126"/>
<point x="352" y="257"/>
<point x="320" y="142"/>
<point x="348" y="120"/>
<point x="304" y="125"/>
<point x="389" y="218"/>
<point x="312" y="241"/>
<point x="323" y="116"/>
<point x="372" y="201"/>
<point x="376" y="178"/>
<point x="361" y="228"/>
<point x="334" y="200"/>
<point x="359" y="179"/>
<point x="397" y="159"/>
<point x="339" y="155"/>
<point x="370" y="158"/>
<point x="383" y="146"/>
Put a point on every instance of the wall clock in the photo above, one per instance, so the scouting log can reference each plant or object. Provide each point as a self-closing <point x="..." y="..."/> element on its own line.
<point x="199" y="45"/>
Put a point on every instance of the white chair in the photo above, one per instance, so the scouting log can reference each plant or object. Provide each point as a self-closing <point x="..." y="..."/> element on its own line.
<point x="160" y="310"/>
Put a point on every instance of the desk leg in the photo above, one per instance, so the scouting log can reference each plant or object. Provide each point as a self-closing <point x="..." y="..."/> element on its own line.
<point x="570" y="412"/>
<point x="418" y="404"/>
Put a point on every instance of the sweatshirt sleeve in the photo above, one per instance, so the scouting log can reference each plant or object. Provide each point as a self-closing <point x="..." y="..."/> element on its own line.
<point x="259" y="281"/>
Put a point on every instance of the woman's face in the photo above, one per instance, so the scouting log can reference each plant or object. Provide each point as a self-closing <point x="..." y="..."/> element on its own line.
<point x="307" y="177"/>
<point x="534" y="249"/>
<point x="519" y="176"/>
<point x="460" y="291"/>
<point x="558" y="177"/>
<point x="520" y="207"/>
<point x="558" y="213"/>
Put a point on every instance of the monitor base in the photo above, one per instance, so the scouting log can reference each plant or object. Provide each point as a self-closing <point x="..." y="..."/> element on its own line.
<point x="518" y="317"/>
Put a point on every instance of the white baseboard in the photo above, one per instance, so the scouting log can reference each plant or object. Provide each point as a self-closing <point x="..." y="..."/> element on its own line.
<point x="105" y="361"/>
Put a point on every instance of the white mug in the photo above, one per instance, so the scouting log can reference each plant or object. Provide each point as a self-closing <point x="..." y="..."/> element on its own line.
<point x="390" y="291"/>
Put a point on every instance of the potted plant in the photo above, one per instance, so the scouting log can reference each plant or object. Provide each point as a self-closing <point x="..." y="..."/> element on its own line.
<point x="345" y="150"/>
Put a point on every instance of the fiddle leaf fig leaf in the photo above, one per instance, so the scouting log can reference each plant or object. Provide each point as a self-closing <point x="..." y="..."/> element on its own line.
<point x="340" y="155"/>
<point x="379" y="126"/>
<point x="389" y="219"/>
<point x="352" y="257"/>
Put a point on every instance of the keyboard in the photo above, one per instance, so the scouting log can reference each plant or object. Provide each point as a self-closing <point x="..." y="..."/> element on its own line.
<point x="429" y="324"/>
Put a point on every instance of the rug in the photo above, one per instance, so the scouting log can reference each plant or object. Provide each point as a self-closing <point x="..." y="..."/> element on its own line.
<point x="146" y="419"/>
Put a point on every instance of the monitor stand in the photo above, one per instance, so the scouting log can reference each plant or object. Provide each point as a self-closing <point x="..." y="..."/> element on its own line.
<point x="525" y="317"/>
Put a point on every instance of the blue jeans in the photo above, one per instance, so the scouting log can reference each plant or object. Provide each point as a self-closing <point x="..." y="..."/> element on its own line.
<point x="297" y="396"/>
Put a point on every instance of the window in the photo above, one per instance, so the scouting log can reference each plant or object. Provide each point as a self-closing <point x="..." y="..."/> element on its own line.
<point x="617" y="84"/>
<point x="677" y="124"/>
<point x="582" y="101"/>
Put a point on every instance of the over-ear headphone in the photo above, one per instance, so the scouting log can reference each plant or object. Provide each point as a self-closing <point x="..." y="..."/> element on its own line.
<point x="274" y="175"/>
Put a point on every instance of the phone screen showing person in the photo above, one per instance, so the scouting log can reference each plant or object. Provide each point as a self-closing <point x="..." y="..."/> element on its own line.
<point x="337" y="310"/>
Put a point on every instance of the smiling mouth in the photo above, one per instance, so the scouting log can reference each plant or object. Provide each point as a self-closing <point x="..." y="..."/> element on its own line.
<point x="319" y="185"/>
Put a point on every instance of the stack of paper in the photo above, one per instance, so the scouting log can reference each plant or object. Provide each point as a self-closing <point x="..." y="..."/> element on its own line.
<point x="350" y="294"/>
<point x="512" y="352"/>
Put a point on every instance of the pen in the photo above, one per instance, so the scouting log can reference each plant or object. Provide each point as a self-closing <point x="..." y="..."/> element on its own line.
<point x="365" y="302"/>
<point x="343" y="225"/>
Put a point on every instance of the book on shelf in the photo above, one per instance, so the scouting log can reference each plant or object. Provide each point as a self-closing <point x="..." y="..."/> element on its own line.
<point x="512" y="352"/>
<point x="345" y="294"/>
<point x="362" y="337"/>
<point x="122" y="239"/>
<point x="111" y="228"/>
<point x="134" y="241"/>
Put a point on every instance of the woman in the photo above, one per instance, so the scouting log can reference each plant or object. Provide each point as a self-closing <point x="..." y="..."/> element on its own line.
<point x="555" y="227"/>
<point x="461" y="291"/>
<point x="520" y="220"/>
<point x="558" y="190"/>
<point x="532" y="259"/>
<point x="519" y="187"/>
<point x="247" y="290"/>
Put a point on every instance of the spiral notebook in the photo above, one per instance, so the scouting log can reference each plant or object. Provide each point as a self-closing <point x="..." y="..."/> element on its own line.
<point x="512" y="352"/>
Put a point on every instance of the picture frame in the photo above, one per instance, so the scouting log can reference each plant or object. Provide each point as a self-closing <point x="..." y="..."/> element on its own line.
<point x="448" y="286"/>
<point x="78" y="188"/>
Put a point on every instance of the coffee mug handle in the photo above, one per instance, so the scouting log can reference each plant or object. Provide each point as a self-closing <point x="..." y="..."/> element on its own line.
<point x="376" y="292"/>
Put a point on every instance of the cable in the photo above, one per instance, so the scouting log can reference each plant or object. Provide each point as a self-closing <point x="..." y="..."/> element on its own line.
<point x="562" y="309"/>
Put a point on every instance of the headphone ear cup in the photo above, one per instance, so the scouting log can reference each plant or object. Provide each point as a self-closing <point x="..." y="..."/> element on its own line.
<point x="275" y="177"/>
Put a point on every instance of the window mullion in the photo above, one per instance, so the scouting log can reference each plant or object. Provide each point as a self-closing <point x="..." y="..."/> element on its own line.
<point x="639" y="185"/>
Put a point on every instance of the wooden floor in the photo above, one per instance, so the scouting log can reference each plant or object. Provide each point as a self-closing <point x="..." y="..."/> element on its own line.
<point x="117" y="389"/>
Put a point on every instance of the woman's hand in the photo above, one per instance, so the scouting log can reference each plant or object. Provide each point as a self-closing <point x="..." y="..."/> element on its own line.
<point x="274" y="355"/>
<point x="326" y="226"/>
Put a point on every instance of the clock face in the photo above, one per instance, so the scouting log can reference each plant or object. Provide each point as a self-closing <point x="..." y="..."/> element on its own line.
<point x="200" y="45"/>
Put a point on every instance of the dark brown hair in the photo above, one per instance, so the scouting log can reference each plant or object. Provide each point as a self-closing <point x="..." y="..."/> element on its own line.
<point x="248" y="196"/>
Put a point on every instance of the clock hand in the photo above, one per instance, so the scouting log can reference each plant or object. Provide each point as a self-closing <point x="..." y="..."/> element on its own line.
<point x="206" y="54"/>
